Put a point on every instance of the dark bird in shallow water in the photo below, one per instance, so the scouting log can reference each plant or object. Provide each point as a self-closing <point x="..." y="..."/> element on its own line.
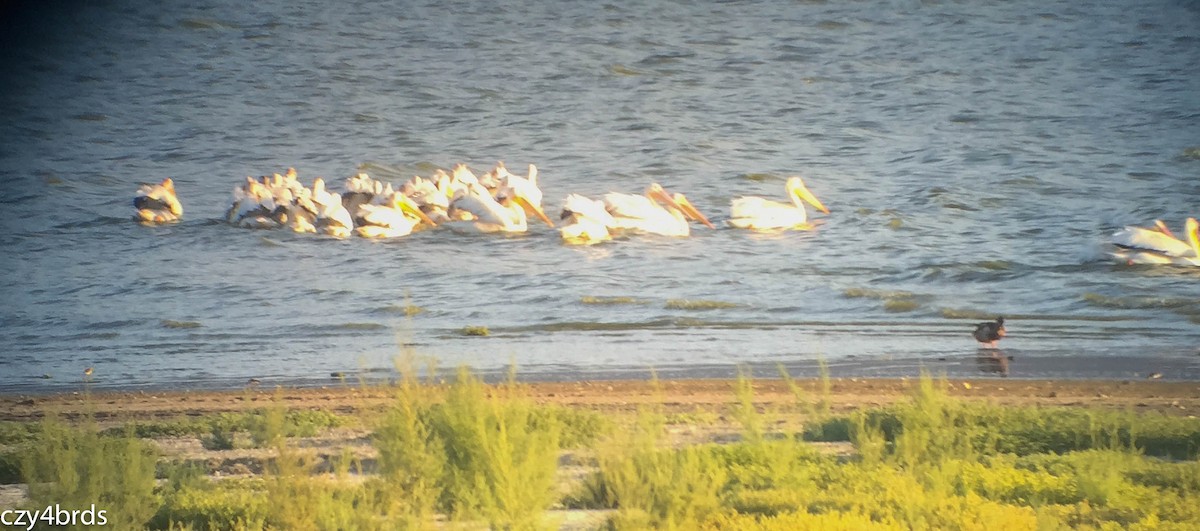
<point x="990" y="333"/>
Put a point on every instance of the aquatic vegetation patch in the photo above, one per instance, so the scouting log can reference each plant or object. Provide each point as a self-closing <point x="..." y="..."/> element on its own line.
<point x="587" y="299"/>
<point x="881" y="294"/>
<point x="1138" y="303"/>
<point x="962" y="313"/>
<point x="894" y="301"/>
<point x="407" y="310"/>
<point x="900" y="305"/>
<point x="480" y="331"/>
<point x="698" y="304"/>
<point x="361" y="326"/>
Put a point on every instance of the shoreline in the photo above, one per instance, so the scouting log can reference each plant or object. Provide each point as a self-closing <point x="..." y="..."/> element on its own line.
<point x="680" y="395"/>
<point x="1000" y="364"/>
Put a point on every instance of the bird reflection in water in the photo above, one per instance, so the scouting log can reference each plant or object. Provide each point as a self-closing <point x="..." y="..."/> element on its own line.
<point x="992" y="361"/>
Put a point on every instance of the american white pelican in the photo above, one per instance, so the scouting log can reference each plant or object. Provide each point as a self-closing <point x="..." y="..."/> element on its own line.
<point x="253" y="206"/>
<point x="1158" y="246"/>
<point x="157" y="203"/>
<point x="397" y="218"/>
<point x="487" y="214"/>
<point x="763" y="214"/>
<point x="525" y="190"/>
<point x="656" y="212"/>
<point x="587" y="221"/>
<point x="426" y="194"/>
<point x="332" y="218"/>
<point x="361" y="189"/>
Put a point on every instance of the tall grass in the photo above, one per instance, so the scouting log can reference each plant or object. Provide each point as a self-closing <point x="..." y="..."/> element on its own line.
<point x="485" y="455"/>
<point x="500" y="460"/>
<point x="76" y="467"/>
<point x="653" y="486"/>
<point x="470" y="451"/>
<point x="411" y="455"/>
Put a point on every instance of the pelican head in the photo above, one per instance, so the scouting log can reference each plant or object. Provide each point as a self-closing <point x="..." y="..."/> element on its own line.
<point x="691" y="211"/>
<point x="1162" y="227"/>
<point x="1192" y="228"/>
<point x="797" y="191"/>
<point x="408" y="206"/>
<point x="529" y="201"/>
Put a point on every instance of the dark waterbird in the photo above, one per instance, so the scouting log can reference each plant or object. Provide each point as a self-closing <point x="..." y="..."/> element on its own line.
<point x="989" y="334"/>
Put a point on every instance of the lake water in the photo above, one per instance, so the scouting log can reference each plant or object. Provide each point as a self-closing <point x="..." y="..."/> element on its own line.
<point x="975" y="155"/>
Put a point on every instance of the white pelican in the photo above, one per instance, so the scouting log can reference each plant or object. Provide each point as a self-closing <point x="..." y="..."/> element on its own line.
<point x="656" y="212"/>
<point x="1158" y="246"/>
<point x="397" y="218"/>
<point x="763" y="214"/>
<point x="332" y="218"/>
<point x="157" y="203"/>
<point x="426" y="194"/>
<point x="253" y="206"/>
<point x="361" y="189"/>
<point x="486" y="214"/>
<point x="589" y="221"/>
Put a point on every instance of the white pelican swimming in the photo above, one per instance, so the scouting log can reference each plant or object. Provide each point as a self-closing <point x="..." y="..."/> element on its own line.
<point x="157" y="203"/>
<point x="587" y="221"/>
<point x="428" y="196"/>
<point x="763" y="214"/>
<point x="394" y="219"/>
<point x="361" y="189"/>
<point x="332" y="218"/>
<point x="487" y="214"/>
<point x="656" y="212"/>
<point x="1158" y="246"/>
<point x="253" y="206"/>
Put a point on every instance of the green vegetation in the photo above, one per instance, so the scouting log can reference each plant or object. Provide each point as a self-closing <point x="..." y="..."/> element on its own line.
<point x="223" y="428"/>
<point x="588" y="299"/>
<point x="482" y="455"/>
<point x="481" y="331"/>
<point x="894" y="301"/>
<point x="698" y="304"/>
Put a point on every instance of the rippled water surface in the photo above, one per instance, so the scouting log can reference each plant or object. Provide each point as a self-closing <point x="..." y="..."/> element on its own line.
<point x="975" y="156"/>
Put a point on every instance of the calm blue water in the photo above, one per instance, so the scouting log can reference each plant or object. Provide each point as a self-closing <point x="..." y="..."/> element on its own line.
<point x="975" y="155"/>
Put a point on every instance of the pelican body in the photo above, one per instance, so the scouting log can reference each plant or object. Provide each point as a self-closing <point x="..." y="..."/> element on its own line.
<point x="394" y="219"/>
<point x="655" y="212"/>
<point x="587" y="221"/>
<point x="1138" y="245"/>
<point x="157" y="203"/>
<point x="758" y="213"/>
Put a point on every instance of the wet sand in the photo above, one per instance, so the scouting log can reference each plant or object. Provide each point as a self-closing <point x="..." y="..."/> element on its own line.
<point x="1172" y="397"/>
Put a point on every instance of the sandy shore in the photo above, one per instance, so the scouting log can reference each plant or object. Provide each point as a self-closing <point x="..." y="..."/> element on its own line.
<point x="1179" y="398"/>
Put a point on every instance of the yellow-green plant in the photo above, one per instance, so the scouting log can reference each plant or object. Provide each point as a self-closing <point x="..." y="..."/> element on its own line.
<point x="500" y="456"/>
<point x="76" y="467"/>
<point x="412" y="456"/>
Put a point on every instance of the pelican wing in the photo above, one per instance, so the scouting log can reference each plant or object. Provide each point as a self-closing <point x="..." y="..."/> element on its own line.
<point x="384" y="216"/>
<point x="759" y="213"/>
<point x="588" y="208"/>
<point x="1151" y="240"/>
<point x="629" y="205"/>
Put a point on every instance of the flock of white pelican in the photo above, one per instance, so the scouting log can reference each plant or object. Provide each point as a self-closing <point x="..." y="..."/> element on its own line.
<point x="495" y="201"/>
<point x="501" y="201"/>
